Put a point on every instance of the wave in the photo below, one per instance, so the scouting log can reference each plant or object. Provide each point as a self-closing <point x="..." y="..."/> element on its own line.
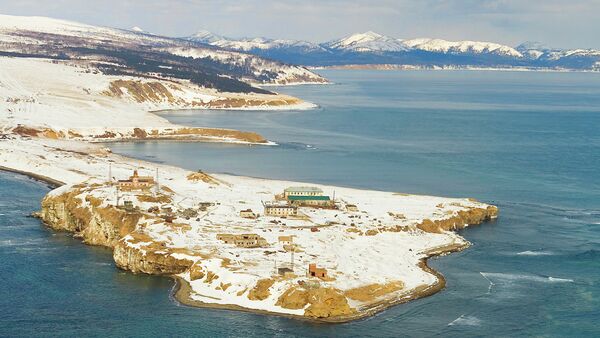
<point x="466" y="320"/>
<point x="491" y="276"/>
<point x="535" y="253"/>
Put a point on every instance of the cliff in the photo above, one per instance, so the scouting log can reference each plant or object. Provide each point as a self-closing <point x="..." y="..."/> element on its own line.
<point x="110" y="227"/>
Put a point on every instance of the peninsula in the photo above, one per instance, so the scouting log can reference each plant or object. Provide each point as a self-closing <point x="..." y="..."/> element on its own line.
<point x="297" y="249"/>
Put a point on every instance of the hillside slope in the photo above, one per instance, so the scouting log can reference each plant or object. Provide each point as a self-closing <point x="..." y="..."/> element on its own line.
<point x="122" y="52"/>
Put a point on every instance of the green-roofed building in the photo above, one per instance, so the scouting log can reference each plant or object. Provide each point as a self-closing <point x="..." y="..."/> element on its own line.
<point x="302" y="191"/>
<point x="315" y="201"/>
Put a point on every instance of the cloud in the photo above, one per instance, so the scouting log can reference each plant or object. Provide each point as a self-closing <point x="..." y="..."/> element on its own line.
<point x="560" y="23"/>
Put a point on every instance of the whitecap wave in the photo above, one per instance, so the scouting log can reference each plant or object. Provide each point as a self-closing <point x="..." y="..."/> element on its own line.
<point x="535" y="253"/>
<point x="466" y="320"/>
<point x="495" y="276"/>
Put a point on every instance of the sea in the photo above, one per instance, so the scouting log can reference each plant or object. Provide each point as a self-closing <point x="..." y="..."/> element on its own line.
<point x="528" y="142"/>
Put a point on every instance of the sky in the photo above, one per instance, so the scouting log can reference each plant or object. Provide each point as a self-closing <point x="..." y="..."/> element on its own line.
<point x="555" y="23"/>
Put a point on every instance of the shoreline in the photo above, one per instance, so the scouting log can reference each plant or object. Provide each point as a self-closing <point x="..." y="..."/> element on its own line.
<point x="41" y="178"/>
<point x="181" y="293"/>
<point x="401" y="67"/>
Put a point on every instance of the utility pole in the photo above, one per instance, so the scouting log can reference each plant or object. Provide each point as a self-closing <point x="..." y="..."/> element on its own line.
<point x="156" y="185"/>
<point x="117" y="195"/>
<point x="293" y="250"/>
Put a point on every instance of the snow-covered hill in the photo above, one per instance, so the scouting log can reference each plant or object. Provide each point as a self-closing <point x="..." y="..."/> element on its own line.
<point x="248" y="44"/>
<point x="134" y="51"/>
<point x="459" y="47"/>
<point x="367" y="42"/>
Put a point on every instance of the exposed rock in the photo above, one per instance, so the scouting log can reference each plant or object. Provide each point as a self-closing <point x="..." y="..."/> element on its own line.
<point x="142" y="260"/>
<point x="471" y="216"/>
<point x="107" y="226"/>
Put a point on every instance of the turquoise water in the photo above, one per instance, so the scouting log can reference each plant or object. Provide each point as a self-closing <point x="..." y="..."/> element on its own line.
<point x="527" y="142"/>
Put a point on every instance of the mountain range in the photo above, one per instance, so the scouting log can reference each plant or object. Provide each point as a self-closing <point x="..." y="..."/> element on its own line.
<point x="371" y="48"/>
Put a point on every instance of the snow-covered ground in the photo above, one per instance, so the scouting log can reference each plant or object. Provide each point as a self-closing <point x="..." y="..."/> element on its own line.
<point x="76" y="99"/>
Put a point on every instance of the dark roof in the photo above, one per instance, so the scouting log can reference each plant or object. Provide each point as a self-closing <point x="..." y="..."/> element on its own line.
<point x="308" y="198"/>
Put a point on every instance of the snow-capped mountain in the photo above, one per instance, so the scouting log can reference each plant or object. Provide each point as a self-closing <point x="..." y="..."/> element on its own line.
<point x="373" y="48"/>
<point x="127" y="52"/>
<point x="248" y="44"/>
<point x="461" y="47"/>
<point x="367" y="42"/>
<point x="137" y="29"/>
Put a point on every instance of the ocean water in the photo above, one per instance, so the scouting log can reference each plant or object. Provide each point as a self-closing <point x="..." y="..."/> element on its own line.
<point x="527" y="142"/>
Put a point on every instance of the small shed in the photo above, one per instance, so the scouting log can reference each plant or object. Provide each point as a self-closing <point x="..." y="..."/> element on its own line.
<point x="314" y="271"/>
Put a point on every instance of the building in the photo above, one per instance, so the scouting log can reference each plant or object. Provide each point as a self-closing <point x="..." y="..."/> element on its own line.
<point x="136" y="182"/>
<point x="187" y="213"/>
<point x="302" y="191"/>
<point x="205" y="205"/>
<point x="311" y="201"/>
<point x="280" y="209"/>
<point x="248" y="213"/>
<point x="243" y="240"/>
<point x="128" y="206"/>
<point x="314" y="271"/>
<point x="286" y="240"/>
<point x="351" y="207"/>
<point x="286" y="272"/>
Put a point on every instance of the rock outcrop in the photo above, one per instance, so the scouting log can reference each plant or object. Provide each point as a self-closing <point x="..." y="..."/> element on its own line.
<point x="108" y="226"/>
<point x="463" y="218"/>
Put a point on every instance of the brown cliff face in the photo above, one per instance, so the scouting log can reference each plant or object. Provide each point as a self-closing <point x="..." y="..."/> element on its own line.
<point x="140" y="260"/>
<point x="471" y="216"/>
<point x="107" y="226"/>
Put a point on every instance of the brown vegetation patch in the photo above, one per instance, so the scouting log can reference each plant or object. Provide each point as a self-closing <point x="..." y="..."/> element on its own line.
<point x="261" y="289"/>
<point x="276" y="101"/>
<point x="197" y="271"/>
<point x="223" y="287"/>
<point x="210" y="276"/>
<point x="140" y="91"/>
<point x="327" y="302"/>
<point x="371" y="292"/>
<point x="159" y="198"/>
<point x="245" y="136"/>
<point x="324" y="302"/>
<point x="139" y="133"/>
<point x="201" y="176"/>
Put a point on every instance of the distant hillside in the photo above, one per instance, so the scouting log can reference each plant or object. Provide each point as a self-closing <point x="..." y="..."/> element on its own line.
<point x="134" y="52"/>
<point x="371" y="48"/>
